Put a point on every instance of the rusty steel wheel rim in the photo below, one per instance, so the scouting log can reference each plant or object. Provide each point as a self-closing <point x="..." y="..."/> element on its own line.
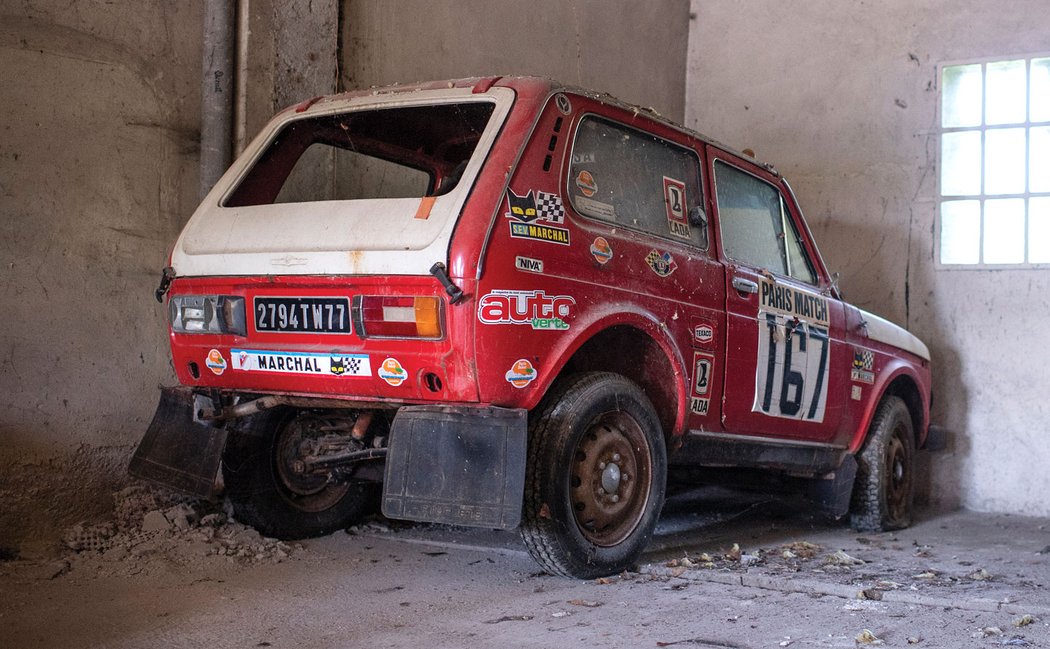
<point x="898" y="475"/>
<point x="611" y="476"/>
<point x="308" y="492"/>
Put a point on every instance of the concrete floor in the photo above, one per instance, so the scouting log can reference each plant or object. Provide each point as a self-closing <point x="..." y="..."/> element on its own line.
<point x="952" y="580"/>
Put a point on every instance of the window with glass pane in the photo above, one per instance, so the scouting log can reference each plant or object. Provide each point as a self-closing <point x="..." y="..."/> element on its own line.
<point x="994" y="206"/>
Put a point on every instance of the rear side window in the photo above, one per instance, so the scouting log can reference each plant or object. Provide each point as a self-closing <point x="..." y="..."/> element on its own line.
<point x="630" y="178"/>
<point x="756" y="227"/>
<point x="406" y="152"/>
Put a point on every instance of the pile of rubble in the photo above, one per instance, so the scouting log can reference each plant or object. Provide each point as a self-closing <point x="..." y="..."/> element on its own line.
<point x="150" y="522"/>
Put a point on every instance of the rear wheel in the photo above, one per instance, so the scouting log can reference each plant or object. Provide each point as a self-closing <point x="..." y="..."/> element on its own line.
<point x="884" y="491"/>
<point x="596" y="476"/>
<point x="268" y="493"/>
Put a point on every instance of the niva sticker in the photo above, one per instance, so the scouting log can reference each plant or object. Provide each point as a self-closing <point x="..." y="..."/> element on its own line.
<point x="392" y="372"/>
<point x="529" y="264"/>
<point x="521" y="373"/>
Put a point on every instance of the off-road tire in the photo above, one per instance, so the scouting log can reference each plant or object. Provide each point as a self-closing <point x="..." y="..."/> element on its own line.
<point x="591" y="432"/>
<point x="884" y="490"/>
<point x="264" y="500"/>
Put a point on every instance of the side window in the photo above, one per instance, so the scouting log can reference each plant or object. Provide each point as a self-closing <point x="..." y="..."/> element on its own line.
<point x="636" y="180"/>
<point x="756" y="227"/>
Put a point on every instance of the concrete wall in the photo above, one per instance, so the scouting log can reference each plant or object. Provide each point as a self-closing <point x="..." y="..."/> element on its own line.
<point x="99" y="146"/>
<point x="842" y="97"/>
<point x="633" y="50"/>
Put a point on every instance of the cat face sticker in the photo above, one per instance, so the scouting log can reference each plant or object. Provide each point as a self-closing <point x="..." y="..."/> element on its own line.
<point x="535" y="206"/>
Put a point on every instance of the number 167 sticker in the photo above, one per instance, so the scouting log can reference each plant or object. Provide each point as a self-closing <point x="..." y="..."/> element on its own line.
<point x="793" y="360"/>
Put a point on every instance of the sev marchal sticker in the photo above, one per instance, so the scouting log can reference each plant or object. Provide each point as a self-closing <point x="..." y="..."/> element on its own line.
<point x="703" y="368"/>
<point x="674" y="200"/>
<point x="863" y="366"/>
<point x="331" y="364"/>
<point x="791" y="379"/>
<point x="527" y="212"/>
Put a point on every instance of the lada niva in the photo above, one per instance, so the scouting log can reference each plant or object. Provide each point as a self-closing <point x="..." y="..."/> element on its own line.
<point x="512" y="303"/>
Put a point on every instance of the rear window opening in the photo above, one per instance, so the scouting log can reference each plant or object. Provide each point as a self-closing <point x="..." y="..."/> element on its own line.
<point x="405" y="152"/>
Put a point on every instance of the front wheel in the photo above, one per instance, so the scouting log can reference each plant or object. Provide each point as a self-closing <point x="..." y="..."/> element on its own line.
<point x="596" y="476"/>
<point x="884" y="491"/>
<point x="266" y="491"/>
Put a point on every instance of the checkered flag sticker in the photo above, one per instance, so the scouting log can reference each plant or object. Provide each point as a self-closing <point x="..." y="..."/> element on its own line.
<point x="353" y="365"/>
<point x="549" y="207"/>
<point x="864" y="359"/>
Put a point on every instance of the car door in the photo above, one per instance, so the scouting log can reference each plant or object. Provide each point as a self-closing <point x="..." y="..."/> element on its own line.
<point x="784" y="330"/>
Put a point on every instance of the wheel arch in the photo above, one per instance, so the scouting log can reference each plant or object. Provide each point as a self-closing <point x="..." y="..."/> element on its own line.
<point x="631" y="350"/>
<point x="900" y="383"/>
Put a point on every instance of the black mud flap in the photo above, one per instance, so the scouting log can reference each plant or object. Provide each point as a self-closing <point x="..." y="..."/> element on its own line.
<point x="179" y="451"/>
<point x="832" y="493"/>
<point x="462" y="466"/>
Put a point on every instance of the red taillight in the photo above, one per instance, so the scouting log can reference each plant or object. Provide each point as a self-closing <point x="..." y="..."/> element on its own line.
<point x="377" y="316"/>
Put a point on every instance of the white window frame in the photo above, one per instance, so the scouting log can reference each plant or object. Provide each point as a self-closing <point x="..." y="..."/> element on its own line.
<point x="983" y="128"/>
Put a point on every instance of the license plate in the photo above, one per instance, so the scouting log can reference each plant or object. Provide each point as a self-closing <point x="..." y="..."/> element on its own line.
<point x="303" y="314"/>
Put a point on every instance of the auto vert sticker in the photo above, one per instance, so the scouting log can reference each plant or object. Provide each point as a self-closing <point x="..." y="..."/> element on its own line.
<point x="535" y="308"/>
<point x="794" y="353"/>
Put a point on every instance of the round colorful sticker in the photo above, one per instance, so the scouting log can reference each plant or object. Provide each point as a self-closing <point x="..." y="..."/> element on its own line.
<point x="521" y="373"/>
<point x="215" y="362"/>
<point x="392" y="372"/>
<point x="601" y="250"/>
<point x="587" y="184"/>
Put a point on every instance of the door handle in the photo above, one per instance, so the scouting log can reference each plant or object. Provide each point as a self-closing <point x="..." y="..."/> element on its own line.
<point x="745" y="285"/>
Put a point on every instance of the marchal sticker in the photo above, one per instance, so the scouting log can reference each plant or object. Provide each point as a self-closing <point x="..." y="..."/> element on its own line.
<point x="521" y="373"/>
<point x="215" y="362"/>
<point x="602" y="251"/>
<point x="392" y="372"/>
<point x="662" y="263"/>
<point x="330" y="364"/>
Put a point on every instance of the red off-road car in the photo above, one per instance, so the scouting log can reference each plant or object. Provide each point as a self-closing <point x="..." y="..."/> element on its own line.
<point x="514" y="303"/>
